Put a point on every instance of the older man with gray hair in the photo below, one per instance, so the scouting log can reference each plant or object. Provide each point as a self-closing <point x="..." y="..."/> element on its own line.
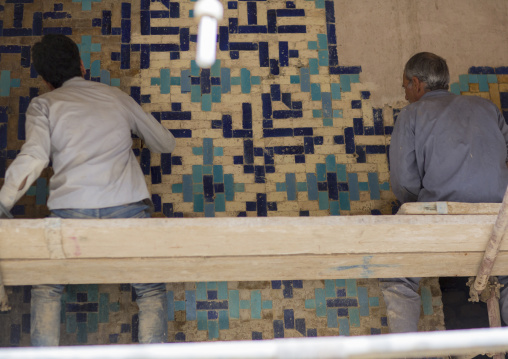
<point x="444" y="147"/>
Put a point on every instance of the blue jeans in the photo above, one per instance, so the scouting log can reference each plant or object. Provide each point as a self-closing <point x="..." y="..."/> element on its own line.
<point x="151" y="297"/>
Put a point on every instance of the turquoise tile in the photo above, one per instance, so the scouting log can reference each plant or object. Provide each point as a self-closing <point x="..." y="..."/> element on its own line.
<point x="211" y="285"/>
<point x="198" y="151"/>
<point x="216" y="94"/>
<point x="206" y="102"/>
<point x="330" y="163"/>
<point x="385" y="186"/>
<point x="225" y="80"/>
<point x="71" y="324"/>
<point x="312" y="186"/>
<point x="322" y="42"/>
<point x="305" y="79"/>
<point x="354" y="188"/>
<point x="104" y="308"/>
<point x="355" y="78"/>
<point x="310" y="304"/>
<point x="321" y="172"/>
<point x="374" y="186"/>
<point x="229" y="189"/>
<point x="195" y="69"/>
<point x="115" y="82"/>
<point x="179" y="305"/>
<point x="320" y="302"/>
<point x="427" y="301"/>
<point x="492" y="79"/>
<point x="323" y="200"/>
<point x="95" y="68"/>
<point x="255" y="304"/>
<point x="105" y="77"/>
<point x="312" y="45"/>
<point x="93" y="292"/>
<point x="92" y="322"/>
<point x="330" y="288"/>
<point x="209" y="210"/>
<point x="336" y="95"/>
<point x="255" y="80"/>
<point x="177" y="188"/>
<point x="223" y="319"/>
<point x="82" y="335"/>
<point x="222" y="292"/>
<point x="345" y="83"/>
<point x="213" y="329"/>
<point x="202" y="320"/>
<point x="176" y="81"/>
<point x="455" y="88"/>
<point x="317" y="113"/>
<point x="473" y="79"/>
<point x="351" y="290"/>
<point x="197" y="173"/>
<point x="331" y="318"/>
<point x="96" y="48"/>
<point x="199" y="205"/>
<point x="464" y="83"/>
<point x="354" y="317"/>
<point x="215" y="69"/>
<point x="363" y="301"/>
<point x="245" y="304"/>
<point x="236" y="80"/>
<point x="218" y="151"/>
<point x="334" y="208"/>
<point x="114" y="307"/>
<point x="294" y="79"/>
<point x="220" y="202"/>
<point x="374" y="301"/>
<point x="191" y="14"/>
<point x="341" y="173"/>
<point x="320" y="4"/>
<point x="218" y="174"/>
<point x="339" y="283"/>
<point x="165" y="81"/>
<point x="363" y="186"/>
<point x="71" y="293"/>
<point x="343" y="326"/>
<point x="280" y="187"/>
<point x="267" y="304"/>
<point x="245" y="79"/>
<point x="239" y="187"/>
<point x="170" y="300"/>
<point x="86" y="43"/>
<point x="208" y="154"/>
<point x="314" y="66"/>
<point x="327" y="122"/>
<point x="190" y="305"/>
<point x="201" y="291"/>
<point x="291" y="186"/>
<point x="197" y="188"/>
<point x="323" y="58"/>
<point x="483" y="83"/>
<point x="301" y="186"/>
<point x="195" y="93"/>
<point x="234" y="304"/>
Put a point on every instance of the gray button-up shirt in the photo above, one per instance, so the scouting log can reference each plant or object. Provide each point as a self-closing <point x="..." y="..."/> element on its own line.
<point x="446" y="147"/>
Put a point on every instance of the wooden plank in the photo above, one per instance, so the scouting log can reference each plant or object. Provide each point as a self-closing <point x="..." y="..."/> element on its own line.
<point x="190" y="237"/>
<point x="449" y="208"/>
<point x="244" y="268"/>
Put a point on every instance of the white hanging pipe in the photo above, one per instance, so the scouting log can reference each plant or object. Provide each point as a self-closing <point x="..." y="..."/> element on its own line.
<point x="208" y="12"/>
<point x="454" y="342"/>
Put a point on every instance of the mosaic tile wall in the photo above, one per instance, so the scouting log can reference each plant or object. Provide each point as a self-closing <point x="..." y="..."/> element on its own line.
<point x="277" y="127"/>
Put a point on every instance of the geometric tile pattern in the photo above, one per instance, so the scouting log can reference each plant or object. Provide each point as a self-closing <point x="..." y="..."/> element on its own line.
<point x="276" y="127"/>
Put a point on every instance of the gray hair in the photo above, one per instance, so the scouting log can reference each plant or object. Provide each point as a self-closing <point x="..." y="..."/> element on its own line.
<point x="430" y="69"/>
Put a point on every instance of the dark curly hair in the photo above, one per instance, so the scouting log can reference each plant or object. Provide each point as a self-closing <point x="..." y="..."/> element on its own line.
<point x="56" y="58"/>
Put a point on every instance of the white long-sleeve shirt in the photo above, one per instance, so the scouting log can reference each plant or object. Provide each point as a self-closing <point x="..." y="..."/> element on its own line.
<point x="85" y="127"/>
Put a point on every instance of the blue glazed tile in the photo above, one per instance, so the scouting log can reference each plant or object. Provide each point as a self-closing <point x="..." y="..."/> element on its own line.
<point x="255" y="304"/>
<point x="344" y="201"/>
<point x="427" y="301"/>
<point x="363" y="300"/>
<point x="351" y="288"/>
<point x="278" y="329"/>
<point x="374" y="186"/>
<point x="316" y="92"/>
<point x="343" y="326"/>
<point x="292" y="29"/>
<point x="331" y="316"/>
<point x="354" y="317"/>
<point x="291" y="186"/>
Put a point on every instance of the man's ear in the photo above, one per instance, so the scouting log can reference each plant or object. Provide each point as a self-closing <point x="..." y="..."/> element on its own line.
<point x="83" y="70"/>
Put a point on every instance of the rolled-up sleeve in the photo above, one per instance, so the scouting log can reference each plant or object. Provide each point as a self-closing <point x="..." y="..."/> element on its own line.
<point x="32" y="159"/>
<point x="404" y="175"/>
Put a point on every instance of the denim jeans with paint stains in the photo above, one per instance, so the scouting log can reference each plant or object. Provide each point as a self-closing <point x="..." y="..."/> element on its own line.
<point x="151" y="297"/>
